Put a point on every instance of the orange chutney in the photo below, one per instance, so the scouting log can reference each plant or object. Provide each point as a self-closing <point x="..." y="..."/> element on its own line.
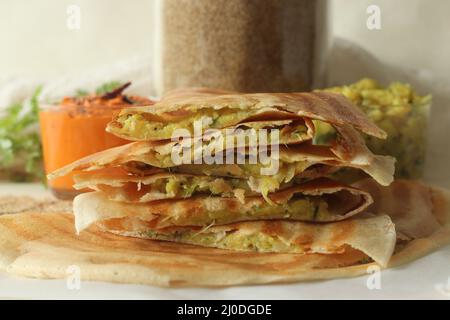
<point x="76" y="128"/>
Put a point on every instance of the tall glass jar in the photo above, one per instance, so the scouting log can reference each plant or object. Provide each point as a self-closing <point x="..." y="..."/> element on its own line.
<point x="240" y="45"/>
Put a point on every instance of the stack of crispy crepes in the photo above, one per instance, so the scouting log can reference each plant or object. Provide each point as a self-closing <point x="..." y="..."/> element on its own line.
<point x="302" y="208"/>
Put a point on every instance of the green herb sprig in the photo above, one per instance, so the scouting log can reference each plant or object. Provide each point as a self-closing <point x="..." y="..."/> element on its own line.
<point x="20" y="144"/>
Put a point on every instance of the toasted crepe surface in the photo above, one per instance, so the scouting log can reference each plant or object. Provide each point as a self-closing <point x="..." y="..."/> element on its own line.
<point x="134" y="188"/>
<point x="343" y="201"/>
<point x="328" y="107"/>
<point x="408" y="204"/>
<point x="44" y="245"/>
<point x="355" y="155"/>
<point x="286" y="129"/>
<point x="373" y="235"/>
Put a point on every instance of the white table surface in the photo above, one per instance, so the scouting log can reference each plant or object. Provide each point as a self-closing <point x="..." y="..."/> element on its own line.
<point x="426" y="278"/>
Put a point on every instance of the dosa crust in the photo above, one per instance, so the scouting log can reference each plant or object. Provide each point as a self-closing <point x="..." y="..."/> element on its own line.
<point x="44" y="245"/>
<point x="373" y="235"/>
<point x="329" y="107"/>
<point x="342" y="202"/>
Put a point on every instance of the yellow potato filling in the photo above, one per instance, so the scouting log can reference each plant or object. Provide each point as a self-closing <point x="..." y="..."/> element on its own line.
<point x="402" y="113"/>
<point x="233" y="240"/>
<point x="139" y="127"/>
<point x="304" y="208"/>
<point x="248" y="177"/>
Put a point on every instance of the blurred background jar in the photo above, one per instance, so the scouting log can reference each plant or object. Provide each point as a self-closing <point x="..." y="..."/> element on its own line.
<point x="240" y="45"/>
<point x="75" y="128"/>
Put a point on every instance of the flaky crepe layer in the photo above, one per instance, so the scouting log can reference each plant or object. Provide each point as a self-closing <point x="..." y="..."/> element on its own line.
<point x="42" y="245"/>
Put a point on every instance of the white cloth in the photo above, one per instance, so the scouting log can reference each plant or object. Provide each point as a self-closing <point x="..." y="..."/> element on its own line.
<point x="137" y="70"/>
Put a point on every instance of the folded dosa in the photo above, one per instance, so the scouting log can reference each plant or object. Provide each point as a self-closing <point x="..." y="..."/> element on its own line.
<point x="179" y="109"/>
<point x="145" y="158"/>
<point x="374" y="236"/>
<point x="44" y="245"/>
<point x="319" y="200"/>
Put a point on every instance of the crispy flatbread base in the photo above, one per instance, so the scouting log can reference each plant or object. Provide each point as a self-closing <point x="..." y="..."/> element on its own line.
<point x="373" y="235"/>
<point x="44" y="246"/>
<point x="408" y="204"/>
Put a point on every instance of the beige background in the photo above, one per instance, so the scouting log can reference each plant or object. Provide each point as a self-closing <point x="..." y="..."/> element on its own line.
<point x="36" y="41"/>
<point x="413" y="45"/>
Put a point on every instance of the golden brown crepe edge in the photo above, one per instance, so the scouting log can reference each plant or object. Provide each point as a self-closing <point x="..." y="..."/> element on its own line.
<point x="326" y="106"/>
<point x="13" y="249"/>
